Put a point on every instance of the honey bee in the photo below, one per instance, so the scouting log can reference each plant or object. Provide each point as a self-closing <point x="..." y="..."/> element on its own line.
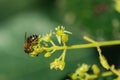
<point x="30" y="41"/>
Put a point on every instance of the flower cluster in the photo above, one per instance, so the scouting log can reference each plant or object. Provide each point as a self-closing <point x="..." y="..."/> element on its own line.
<point x="34" y="45"/>
<point x="47" y="45"/>
<point x="82" y="73"/>
<point x="86" y="72"/>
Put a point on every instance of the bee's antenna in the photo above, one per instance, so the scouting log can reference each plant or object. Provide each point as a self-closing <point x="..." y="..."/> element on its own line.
<point x="25" y="35"/>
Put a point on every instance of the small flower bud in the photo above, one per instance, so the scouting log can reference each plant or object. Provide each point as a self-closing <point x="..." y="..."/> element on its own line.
<point x="65" y="38"/>
<point x="48" y="54"/>
<point x="95" y="69"/>
<point x="82" y="69"/>
<point x="74" y="76"/>
<point x="104" y="62"/>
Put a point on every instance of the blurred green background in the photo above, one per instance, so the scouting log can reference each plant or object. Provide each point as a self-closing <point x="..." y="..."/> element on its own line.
<point x="95" y="18"/>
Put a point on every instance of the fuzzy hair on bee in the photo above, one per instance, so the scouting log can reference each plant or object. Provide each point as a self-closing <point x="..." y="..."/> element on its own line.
<point x="29" y="42"/>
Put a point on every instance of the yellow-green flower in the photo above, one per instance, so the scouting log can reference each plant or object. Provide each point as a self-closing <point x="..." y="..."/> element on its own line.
<point x="57" y="64"/>
<point x="37" y="49"/>
<point x="47" y="37"/>
<point x="60" y="31"/>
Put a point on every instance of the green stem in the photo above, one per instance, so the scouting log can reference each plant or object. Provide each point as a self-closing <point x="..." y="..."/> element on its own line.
<point x="89" y="45"/>
<point x="104" y="74"/>
<point x="107" y="73"/>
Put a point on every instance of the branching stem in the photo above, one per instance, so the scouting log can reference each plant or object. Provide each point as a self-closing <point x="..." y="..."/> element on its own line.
<point x="89" y="45"/>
